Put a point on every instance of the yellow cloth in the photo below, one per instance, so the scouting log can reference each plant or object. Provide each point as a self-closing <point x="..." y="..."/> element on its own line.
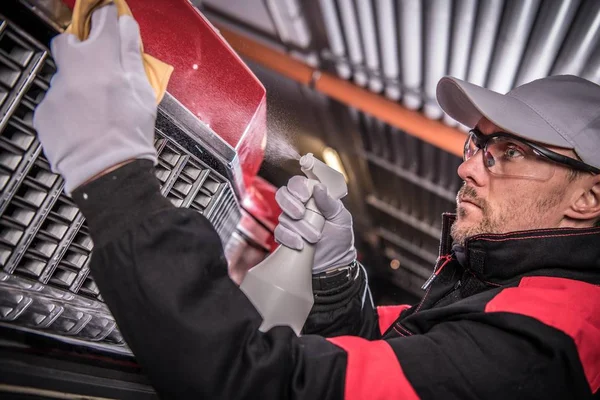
<point x="158" y="72"/>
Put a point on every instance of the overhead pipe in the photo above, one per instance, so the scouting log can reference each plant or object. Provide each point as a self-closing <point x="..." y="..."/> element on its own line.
<point x="465" y="12"/>
<point x="592" y="69"/>
<point x="548" y="34"/>
<point x="281" y="25"/>
<point x="386" y="22"/>
<point x="298" y="23"/>
<point x="288" y="18"/>
<point x="412" y="122"/>
<point x="410" y="15"/>
<point x="517" y="24"/>
<point x="581" y="41"/>
<point x="353" y="41"/>
<point x="293" y="7"/>
<point x="488" y="21"/>
<point x="336" y="38"/>
<point x="369" y="37"/>
<point x="438" y="14"/>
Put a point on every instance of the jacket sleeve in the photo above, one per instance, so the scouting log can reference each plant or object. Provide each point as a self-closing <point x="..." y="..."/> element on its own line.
<point x="482" y="356"/>
<point x="348" y="309"/>
<point x="162" y="272"/>
<point x="343" y="309"/>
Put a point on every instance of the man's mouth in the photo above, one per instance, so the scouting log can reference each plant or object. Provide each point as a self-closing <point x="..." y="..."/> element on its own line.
<point x="463" y="200"/>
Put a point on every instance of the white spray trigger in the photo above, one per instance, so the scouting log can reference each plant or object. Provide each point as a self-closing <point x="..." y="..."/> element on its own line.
<point x="280" y="287"/>
<point x="319" y="171"/>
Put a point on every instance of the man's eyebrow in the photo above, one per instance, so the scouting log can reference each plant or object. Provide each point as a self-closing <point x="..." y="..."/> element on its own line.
<point x="496" y="130"/>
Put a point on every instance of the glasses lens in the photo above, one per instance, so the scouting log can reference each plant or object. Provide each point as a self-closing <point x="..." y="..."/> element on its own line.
<point x="470" y="147"/>
<point x="513" y="158"/>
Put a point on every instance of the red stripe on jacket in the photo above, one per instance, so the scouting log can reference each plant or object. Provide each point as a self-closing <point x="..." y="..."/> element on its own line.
<point x="388" y="315"/>
<point x="567" y="305"/>
<point x="373" y="371"/>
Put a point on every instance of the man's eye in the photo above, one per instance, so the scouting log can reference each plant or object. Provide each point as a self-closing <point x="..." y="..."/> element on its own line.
<point x="513" y="152"/>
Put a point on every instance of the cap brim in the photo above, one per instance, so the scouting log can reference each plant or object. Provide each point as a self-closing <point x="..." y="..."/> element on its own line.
<point x="468" y="103"/>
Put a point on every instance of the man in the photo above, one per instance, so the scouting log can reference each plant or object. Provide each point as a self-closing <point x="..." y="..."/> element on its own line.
<point x="511" y="310"/>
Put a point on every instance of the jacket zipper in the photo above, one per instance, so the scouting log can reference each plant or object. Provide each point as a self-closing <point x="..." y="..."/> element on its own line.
<point x="456" y="286"/>
<point x="442" y="261"/>
<point x="445" y="243"/>
<point x="439" y="265"/>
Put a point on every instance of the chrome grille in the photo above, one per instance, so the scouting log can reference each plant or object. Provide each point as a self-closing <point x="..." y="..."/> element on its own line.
<point x="45" y="246"/>
<point x="188" y="182"/>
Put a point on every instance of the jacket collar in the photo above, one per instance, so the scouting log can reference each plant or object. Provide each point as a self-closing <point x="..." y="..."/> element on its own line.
<point x="499" y="258"/>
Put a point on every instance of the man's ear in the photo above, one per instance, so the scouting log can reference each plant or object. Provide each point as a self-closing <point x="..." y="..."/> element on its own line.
<point x="586" y="207"/>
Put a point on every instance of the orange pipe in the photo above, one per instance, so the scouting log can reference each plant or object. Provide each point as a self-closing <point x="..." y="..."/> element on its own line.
<point x="391" y="112"/>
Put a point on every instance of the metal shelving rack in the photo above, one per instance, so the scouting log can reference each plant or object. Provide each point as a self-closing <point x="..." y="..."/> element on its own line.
<point x="413" y="184"/>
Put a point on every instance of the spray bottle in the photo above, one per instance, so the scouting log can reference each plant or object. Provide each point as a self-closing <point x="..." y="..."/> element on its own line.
<point x="280" y="287"/>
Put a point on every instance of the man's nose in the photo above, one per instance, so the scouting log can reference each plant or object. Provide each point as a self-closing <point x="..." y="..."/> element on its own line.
<point x="473" y="170"/>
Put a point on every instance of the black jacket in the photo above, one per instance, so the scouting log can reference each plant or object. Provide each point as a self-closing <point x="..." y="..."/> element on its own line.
<point x="518" y="317"/>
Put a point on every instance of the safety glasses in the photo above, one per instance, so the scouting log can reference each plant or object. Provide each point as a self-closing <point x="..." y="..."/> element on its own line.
<point x="505" y="154"/>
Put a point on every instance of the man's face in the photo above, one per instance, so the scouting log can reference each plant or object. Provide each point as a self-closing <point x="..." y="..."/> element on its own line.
<point x="489" y="203"/>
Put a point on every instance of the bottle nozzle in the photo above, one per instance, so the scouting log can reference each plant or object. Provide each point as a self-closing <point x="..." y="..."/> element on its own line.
<point x="307" y="161"/>
<point x="319" y="171"/>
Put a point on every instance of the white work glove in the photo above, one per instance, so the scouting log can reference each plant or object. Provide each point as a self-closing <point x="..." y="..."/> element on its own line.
<point x="335" y="244"/>
<point x="100" y="109"/>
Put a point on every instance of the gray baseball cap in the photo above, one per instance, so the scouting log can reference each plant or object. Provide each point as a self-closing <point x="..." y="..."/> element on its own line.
<point x="562" y="111"/>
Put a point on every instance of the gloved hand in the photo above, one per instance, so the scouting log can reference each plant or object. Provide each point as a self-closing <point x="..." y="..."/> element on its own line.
<point x="100" y="109"/>
<point x="335" y="244"/>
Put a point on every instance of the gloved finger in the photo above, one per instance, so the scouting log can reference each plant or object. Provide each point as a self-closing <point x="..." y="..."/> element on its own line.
<point x="288" y="238"/>
<point x="328" y="206"/>
<point x="299" y="187"/>
<point x="59" y="47"/>
<point x="105" y="30"/>
<point x="131" y="55"/>
<point x="301" y="227"/>
<point x="289" y="204"/>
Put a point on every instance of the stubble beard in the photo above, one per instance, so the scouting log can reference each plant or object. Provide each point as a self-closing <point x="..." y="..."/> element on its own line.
<point x="488" y="224"/>
<point x="530" y="213"/>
